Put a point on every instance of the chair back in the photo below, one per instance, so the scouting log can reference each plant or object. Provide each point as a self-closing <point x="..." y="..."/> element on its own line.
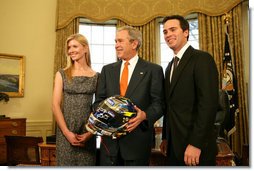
<point x="23" y="150"/>
<point x="222" y="113"/>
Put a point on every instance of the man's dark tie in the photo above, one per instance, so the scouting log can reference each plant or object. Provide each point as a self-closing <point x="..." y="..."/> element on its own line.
<point x="175" y="63"/>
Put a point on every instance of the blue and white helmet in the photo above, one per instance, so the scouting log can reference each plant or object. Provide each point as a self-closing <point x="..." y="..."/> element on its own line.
<point x="111" y="117"/>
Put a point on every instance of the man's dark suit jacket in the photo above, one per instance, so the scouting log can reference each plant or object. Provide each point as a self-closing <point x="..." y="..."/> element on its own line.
<point x="146" y="90"/>
<point x="192" y="102"/>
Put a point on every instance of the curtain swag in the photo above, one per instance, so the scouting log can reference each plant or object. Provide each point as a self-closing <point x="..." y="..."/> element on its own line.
<point x="136" y="12"/>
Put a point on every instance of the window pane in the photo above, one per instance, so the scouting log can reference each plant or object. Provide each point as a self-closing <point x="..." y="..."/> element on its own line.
<point x="109" y="53"/>
<point x="166" y="53"/>
<point x="161" y="34"/>
<point x="97" y="67"/>
<point x="109" y="35"/>
<point x="97" y="53"/>
<point x="97" y="35"/>
<point x="195" y="44"/>
<point x="193" y="38"/>
<point x="86" y="31"/>
<point x="101" y="38"/>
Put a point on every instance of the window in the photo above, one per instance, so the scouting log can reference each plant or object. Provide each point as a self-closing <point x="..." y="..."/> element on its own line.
<point x="167" y="53"/>
<point x="101" y="39"/>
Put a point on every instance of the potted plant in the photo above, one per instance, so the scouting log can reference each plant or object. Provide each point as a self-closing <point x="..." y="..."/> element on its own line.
<point x="4" y="97"/>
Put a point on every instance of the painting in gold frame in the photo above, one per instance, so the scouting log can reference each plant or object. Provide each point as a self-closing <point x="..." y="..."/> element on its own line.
<point x="12" y="75"/>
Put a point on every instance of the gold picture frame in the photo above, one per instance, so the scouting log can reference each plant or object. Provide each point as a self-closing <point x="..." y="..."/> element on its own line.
<point x="12" y="75"/>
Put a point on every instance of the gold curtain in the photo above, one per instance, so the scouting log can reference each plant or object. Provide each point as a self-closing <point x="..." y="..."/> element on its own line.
<point x="212" y="39"/>
<point x="136" y="12"/>
<point x="60" y="60"/>
<point x="149" y="48"/>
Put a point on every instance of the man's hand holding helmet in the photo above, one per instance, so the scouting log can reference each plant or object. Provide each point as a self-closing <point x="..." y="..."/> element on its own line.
<point x="135" y="121"/>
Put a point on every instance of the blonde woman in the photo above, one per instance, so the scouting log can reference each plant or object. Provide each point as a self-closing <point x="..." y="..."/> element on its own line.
<point x="73" y="93"/>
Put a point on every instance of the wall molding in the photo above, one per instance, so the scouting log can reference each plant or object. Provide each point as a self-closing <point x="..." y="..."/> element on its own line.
<point x="39" y="128"/>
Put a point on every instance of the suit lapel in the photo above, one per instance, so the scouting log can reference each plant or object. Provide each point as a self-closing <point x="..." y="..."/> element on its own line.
<point x="137" y="76"/>
<point x="167" y="75"/>
<point x="115" y="76"/>
<point x="183" y="62"/>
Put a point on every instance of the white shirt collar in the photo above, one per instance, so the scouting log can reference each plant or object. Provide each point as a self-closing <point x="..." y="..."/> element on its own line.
<point x="181" y="52"/>
<point x="133" y="61"/>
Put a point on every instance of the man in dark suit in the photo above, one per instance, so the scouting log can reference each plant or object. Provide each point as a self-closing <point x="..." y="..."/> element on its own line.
<point x="191" y="88"/>
<point x="145" y="89"/>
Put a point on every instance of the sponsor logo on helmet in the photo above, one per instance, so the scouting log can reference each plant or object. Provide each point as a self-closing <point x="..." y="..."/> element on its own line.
<point x="111" y="117"/>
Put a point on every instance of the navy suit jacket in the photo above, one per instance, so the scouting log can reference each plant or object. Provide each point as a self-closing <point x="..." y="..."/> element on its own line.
<point x="146" y="90"/>
<point x="192" y="102"/>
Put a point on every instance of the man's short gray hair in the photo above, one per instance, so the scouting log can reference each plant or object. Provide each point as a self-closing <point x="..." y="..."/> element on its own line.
<point x="134" y="34"/>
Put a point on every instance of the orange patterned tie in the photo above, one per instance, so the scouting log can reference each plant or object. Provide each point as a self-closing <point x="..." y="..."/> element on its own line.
<point x="124" y="79"/>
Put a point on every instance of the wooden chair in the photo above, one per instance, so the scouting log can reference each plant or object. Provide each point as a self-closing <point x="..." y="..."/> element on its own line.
<point x="23" y="150"/>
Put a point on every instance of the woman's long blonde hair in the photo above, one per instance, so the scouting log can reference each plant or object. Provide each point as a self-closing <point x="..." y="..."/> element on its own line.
<point x="83" y="41"/>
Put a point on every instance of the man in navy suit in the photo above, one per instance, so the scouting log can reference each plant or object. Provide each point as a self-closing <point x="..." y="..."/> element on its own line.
<point x="145" y="89"/>
<point x="191" y="89"/>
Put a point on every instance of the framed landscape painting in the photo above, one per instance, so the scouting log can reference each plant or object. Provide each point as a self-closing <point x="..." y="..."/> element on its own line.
<point x="12" y="75"/>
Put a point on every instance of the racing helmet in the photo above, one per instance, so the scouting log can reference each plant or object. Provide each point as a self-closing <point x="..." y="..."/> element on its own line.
<point x="111" y="117"/>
